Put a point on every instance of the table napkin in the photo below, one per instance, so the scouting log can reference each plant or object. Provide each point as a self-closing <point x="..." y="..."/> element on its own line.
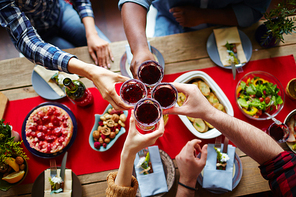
<point x="231" y="36"/>
<point x="47" y="74"/>
<point x="218" y="180"/>
<point x="154" y="183"/>
<point x="67" y="184"/>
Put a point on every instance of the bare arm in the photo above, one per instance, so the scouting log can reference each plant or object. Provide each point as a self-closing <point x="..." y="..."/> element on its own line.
<point x="251" y="140"/>
<point x="134" y="22"/>
<point x="102" y="78"/>
<point x="134" y="142"/>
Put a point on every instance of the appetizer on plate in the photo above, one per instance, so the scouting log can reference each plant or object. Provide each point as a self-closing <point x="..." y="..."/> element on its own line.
<point x="109" y="126"/>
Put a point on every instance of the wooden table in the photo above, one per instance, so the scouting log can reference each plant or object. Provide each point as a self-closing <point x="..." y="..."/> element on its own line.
<point x="181" y="52"/>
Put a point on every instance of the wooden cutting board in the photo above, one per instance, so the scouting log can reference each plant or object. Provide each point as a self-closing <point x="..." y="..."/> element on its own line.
<point x="3" y="103"/>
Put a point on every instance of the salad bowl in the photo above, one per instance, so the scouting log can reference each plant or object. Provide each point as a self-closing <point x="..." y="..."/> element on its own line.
<point x="258" y="93"/>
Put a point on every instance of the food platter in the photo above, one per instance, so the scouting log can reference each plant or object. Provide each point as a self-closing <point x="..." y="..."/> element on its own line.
<point x="46" y="155"/>
<point x="125" y="67"/>
<point x="236" y="177"/>
<point x="187" y="77"/>
<point x="96" y="124"/>
<point x="169" y="170"/>
<point x="214" y="54"/>
<point x="38" y="186"/>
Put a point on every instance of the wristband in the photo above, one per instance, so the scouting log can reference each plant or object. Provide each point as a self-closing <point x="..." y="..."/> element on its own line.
<point x="191" y="188"/>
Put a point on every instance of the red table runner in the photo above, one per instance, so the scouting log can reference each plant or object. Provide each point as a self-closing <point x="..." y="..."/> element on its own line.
<point x="82" y="159"/>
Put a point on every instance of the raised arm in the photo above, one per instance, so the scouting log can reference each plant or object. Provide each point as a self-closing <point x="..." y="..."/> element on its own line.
<point x="251" y="140"/>
<point x="103" y="79"/>
<point x="134" y="142"/>
<point x="134" y="22"/>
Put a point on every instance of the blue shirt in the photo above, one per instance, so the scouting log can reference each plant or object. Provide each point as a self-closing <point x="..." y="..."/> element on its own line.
<point x="247" y="11"/>
<point x="21" y="19"/>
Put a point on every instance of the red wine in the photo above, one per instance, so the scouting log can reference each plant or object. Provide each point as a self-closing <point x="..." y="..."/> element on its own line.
<point x="278" y="132"/>
<point x="147" y="113"/>
<point x="150" y="74"/>
<point x="165" y="96"/>
<point x="132" y="93"/>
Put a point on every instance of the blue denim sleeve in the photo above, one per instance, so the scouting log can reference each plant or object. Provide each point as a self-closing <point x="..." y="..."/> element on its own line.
<point x="145" y="3"/>
<point x="28" y="42"/>
<point x="249" y="12"/>
<point x="83" y="7"/>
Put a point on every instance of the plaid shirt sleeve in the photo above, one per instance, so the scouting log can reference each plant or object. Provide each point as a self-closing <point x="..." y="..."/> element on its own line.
<point x="281" y="173"/>
<point x="28" y="42"/>
<point x="83" y="7"/>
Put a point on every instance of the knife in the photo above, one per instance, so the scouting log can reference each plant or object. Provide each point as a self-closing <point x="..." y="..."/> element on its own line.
<point x="63" y="166"/>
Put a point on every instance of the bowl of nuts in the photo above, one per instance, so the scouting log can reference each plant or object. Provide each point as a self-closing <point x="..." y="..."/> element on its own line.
<point x="108" y="127"/>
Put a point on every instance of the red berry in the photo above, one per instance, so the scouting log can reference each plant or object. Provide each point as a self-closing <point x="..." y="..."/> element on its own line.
<point x="33" y="127"/>
<point x="39" y="127"/>
<point x="104" y="145"/>
<point x="101" y="123"/>
<point x="40" y="136"/>
<point x="103" y="136"/>
<point x="61" y="139"/>
<point x="97" y="145"/>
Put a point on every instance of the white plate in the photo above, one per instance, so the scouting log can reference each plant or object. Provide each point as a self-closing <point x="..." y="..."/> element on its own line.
<point x="214" y="54"/>
<point x="185" y="78"/>
<point x="43" y="89"/>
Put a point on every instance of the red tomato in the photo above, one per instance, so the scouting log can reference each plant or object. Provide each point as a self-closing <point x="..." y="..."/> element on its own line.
<point x="261" y="99"/>
<point x="267" y="100"/>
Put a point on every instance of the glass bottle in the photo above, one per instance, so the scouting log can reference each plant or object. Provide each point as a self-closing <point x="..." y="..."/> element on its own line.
<point x="76" y="91"/>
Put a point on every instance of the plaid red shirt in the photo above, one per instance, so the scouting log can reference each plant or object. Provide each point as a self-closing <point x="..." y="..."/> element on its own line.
<point x="281" y="174"/>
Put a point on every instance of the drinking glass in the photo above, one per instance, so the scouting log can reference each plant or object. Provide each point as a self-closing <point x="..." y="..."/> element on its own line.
<point x="150" y="73"/>
<point x="147" y="113"/>
<point x="279" y="133"/>
<point x="132" y="91"/>
<point x="166" y="94"/>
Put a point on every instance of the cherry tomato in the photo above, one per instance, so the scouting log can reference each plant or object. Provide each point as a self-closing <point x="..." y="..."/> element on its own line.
<point x="267" y="100"/>
<point x="261" y="99"/>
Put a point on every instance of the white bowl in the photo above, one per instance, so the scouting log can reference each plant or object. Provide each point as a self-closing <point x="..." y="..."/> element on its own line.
<point x="185" y="78"/>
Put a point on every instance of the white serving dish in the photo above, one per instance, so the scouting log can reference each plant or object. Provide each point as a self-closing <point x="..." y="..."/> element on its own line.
<point x="185" y="78"/>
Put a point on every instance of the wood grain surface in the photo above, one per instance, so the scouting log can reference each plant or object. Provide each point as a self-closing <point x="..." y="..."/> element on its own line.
<point x="181" y="52"/>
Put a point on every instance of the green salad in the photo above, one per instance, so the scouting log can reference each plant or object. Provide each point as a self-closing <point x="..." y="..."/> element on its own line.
<point x="257" y="95"/>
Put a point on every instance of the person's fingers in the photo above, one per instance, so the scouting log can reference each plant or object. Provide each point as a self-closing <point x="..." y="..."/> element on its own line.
<point x="104" y="57"/>
<point x="99" y="55"/>
<point x="121" y="79"/>
<point x="107" y="58"/>
<point x="94" y="57"/>
<point x="132" y="124"/>
<point x="204" y="154"/>
<point x="110" y="54"/>
<point x="134" y="69"/>
<point x="176" y="110"/>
